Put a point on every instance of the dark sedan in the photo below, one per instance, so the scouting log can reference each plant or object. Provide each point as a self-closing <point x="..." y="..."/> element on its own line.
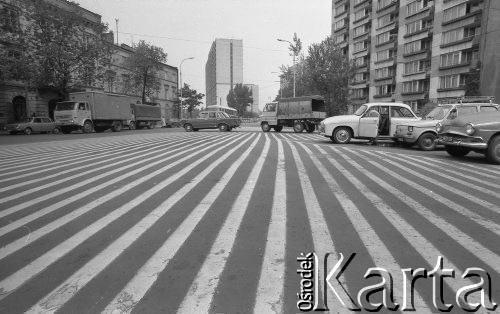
<point x="475" y="132"/>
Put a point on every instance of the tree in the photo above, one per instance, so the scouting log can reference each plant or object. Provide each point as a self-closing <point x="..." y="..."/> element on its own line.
<point x="144" y="65"/>
<point x="190" y="100"/>
<point x="239" y="98"/>
<point x="328" y="73"/>
<point x="61" y="49"/>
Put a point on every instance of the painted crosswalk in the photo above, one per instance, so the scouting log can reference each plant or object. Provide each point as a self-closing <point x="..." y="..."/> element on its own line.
<point x="212" y="222"/>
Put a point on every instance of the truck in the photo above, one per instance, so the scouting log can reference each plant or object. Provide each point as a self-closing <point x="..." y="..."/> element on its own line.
<point x="143" y="115"/>
<point x="301" y="113"/>
<point x="87" y="111"/>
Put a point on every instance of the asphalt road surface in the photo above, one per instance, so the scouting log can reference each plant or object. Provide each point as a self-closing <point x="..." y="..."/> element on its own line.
<point x="166" y="221"/>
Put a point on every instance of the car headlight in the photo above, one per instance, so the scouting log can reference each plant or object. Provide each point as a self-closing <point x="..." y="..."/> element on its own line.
<point x="469" y="129"/>
<point x="410" y="128"/>
<point x="439" y="127"/>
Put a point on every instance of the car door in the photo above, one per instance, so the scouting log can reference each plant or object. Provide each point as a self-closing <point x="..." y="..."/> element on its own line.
<point x="369" y="122"/>
<point x="212" y="119"/>
<point x="37" y="125"/>
<point x="202" y="121"/>
<point x="49" y="125"/>
<point x="400" y="115"/>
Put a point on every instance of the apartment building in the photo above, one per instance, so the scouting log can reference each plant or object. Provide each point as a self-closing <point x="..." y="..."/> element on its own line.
<point x="223" y="70"/>
<point x="417" y="51"/>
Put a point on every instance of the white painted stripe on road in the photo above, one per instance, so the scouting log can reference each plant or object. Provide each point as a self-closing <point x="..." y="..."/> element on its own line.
<point x="202" y="290"/>
<point x="269" y="297"/>
<point x="14" y="281"/>
<point x="379" y="252"/>
<point x="425" y="248"/>
<point x="493" y="207"/>
<point x="55" y="299"/>
<point x="475" y="248"/>
<point x="108" y="163"/>
<point x="322" y="238"/>
<point x="36" y="234"/>
<point x="136" y="288"/>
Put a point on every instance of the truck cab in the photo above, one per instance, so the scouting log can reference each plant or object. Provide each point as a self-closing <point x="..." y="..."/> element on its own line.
<point x="73" y="115"/>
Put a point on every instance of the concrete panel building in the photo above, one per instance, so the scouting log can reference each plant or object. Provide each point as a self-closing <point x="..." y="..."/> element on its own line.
<point x="223" y="70"/>
<point x="416" y="51"/>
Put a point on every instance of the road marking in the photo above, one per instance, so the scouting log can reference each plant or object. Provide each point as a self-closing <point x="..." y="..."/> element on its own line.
<point x="72" y="285"/>
<point x="269" y="297"/>
<point x="18" y="244"/>
<point x="202" y="290"/>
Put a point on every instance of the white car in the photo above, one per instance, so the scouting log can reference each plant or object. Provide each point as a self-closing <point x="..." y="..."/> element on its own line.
<point x="370" y="121"/>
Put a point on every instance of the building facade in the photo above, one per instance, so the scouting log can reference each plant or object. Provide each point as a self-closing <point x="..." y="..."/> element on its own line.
<point x="418" y="51"/>
<point x="223" y="70"/>
<point x="18" y="100"/>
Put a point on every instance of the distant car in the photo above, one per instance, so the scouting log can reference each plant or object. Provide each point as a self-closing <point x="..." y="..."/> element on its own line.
<point x="33" y="125"/>
<point x="211" y="120"/>
<point x="370" y="121"/>
<point x="423" y="132"/>
<point x="474" y="132"/>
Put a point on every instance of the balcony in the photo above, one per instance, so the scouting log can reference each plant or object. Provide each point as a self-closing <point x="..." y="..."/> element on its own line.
<point x="387" y="95"/>
<point x="458" y="65"/>
<point x="409" y="54"/>
<point x="361" y="3"/>
<point x="393" y="6"/>
<point x="466" y="16"/>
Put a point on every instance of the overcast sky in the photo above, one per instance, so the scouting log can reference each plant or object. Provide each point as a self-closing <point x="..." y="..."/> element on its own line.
<point x="187" y="28"/>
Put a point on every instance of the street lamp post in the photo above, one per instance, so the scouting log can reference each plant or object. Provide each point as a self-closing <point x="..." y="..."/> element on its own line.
<point x="180" y="84"/>
<point x="293" y="50"/>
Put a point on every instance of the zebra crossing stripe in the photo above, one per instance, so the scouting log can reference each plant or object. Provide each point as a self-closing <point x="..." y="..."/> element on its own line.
<point x="20" y="243"/>
<point x="92" y="165"/>
<point x="136" y="288"/>
<point x="71" y="286"/>
<point x="492" y="226"/>
<point x="438" y="171"/>
<point x="202" y="290"/>
<point x="420" y="244"/>
<point x="470" y="197"/>
<point x="322" y="239"/>
<point x="269" y="297"/>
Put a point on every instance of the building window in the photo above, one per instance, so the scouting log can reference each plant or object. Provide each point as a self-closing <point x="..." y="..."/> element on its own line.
<point x="416" y="46"/>
<point x="341" y="9"/>
<point x="339" y="24"/>
<point x="360" y="45"/>
<point x="384" y="90"/>
<point x="385" y="20"/>
<point x="454" y="12"/>
<point x="361" y="30"/>
<point x="416" y="6"/>
<point x="416" y="66"/>
<point x="360" y="77"/>
<point x="451" y="81"/>
<point x="358" y="93"/>
<point x="384" y="72"/>
<point x="341" y="38"/>
<point x="450" y="59"/>
<point x="384" y="3"/>
<point x="417" y="86"/>
<point x="383" y="38"/>
<point x="361" y="61"/>
<point x="9" y="19"/>
<point x="360" y="14"/>
<point x="356" y="2"/>
<point x="417" y="26"/>
<point x="384" y="54"/>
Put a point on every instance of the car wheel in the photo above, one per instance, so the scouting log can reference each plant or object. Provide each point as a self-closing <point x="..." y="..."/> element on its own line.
<point x="28" y="131"/>
<point x="117" y="126"/>
<point x="223" y="127"/>
<point x="265" y="127"/>
<point x="341" y="135"/>
<point x="131" y="125"/>
<point x="457" y="151"/>
<point x="427" y="141"/>
<point x="311" y="127"/>
<point x="493" y="152"/>
<point x="278" y="128"/>
<point x="298" y="127"/>
<point x="188" y="127"/>
<point x="56" y="130"/>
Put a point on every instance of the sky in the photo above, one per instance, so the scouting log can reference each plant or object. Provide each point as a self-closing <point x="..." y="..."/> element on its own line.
<point x="187" y="28"/>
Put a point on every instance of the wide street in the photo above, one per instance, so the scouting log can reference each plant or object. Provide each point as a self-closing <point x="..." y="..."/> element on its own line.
<point x="166" y="221"/>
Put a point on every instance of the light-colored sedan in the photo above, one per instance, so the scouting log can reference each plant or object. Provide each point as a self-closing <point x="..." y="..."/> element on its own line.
<point x="33" y="125"/>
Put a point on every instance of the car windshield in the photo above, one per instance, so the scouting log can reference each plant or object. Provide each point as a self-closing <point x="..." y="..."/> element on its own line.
<point x="438" y="113"/>
<point x="65" y="106"/>
<point x="361" y="110"/>
<point x="24" y="120"/>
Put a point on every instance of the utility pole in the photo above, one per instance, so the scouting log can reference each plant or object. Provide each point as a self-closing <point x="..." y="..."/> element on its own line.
<point x="117" y="41"/>
<point x="293" y="48"/>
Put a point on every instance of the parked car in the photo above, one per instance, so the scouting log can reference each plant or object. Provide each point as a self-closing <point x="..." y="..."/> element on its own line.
<point x="423" y="132"/>
<point x="211" y="120"/>
<point x="473" y="132"/>
<point x="370" y="121"/>
<point x="33" y="124"/>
